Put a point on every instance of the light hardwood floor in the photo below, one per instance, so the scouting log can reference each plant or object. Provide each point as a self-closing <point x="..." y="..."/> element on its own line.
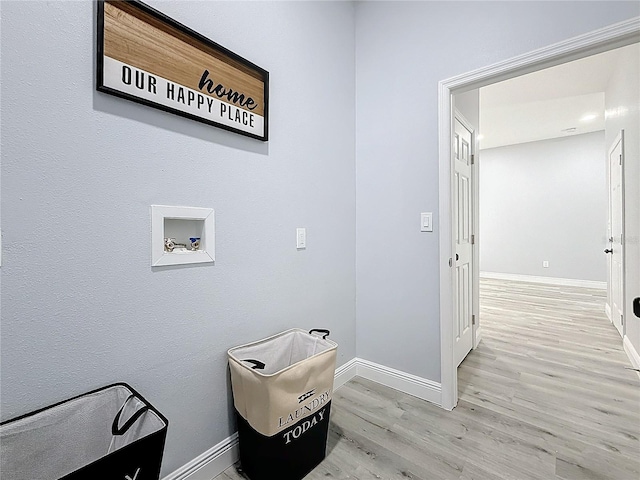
<point x="547" y="395"/>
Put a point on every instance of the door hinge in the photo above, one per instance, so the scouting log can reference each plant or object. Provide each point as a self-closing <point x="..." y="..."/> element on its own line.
<point x="473" y="319"/>
<point x="451" y="262"/>
<point x="620" y="159"/>
<point x="621" y="319"/>
<point x="473" y="158"/>
<point x="473" y="239"/>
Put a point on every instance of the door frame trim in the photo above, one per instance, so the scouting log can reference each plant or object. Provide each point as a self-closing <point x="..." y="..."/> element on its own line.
<point x="598" y="41"/>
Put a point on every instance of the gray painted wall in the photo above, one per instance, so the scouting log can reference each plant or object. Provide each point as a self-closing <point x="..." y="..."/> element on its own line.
<point x="80" y="169"/>
<point x="81" y="305"/>
<point x="622" y="101"/>
<point x="545" y="200"/>
<point x="403" y="50"/>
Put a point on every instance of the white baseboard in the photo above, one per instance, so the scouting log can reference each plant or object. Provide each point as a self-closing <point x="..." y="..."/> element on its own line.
<point x="398" y="380"/>
<point x="345" y="373"/>
<point x="632" y="353"/>
<point x="478" y="336"/>
<point x="211" y="463"/>
<point x="565" y="282"/>
<point x="221" y="456"/>
<point x="607" y="311"/>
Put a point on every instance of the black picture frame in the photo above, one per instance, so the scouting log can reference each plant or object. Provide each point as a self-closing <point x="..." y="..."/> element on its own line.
<point x="189" y="32"/>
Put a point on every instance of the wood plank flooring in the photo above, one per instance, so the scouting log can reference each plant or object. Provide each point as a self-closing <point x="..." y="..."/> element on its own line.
<point x="547" y="395"/>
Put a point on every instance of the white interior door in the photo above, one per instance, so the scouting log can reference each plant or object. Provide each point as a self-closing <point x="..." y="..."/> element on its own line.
<point x="463" y="194"/>
<point x="615" y="280"/>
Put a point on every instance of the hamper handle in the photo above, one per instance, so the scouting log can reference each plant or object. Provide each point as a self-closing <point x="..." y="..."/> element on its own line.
<point x="320" y="330"/>
<point x="115" y="430"/>
<point x="257" y="364"/>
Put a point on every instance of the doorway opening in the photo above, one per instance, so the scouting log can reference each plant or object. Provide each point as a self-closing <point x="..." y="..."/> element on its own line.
<point x="606" y="39"/>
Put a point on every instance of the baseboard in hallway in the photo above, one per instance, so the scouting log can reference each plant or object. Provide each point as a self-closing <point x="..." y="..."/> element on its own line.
<point x="568" y="282"/>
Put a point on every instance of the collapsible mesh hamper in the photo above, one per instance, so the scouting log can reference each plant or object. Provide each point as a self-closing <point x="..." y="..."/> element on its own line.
<point x="110" y="433"/>
<point x="282" y="390"/>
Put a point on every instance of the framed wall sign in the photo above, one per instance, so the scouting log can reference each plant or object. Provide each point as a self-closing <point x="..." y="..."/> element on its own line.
<point x="148" y="58"/>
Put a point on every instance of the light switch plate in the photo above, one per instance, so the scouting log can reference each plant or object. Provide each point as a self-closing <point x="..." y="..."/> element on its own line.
<point x="426" y="222"/>
<point x="301" y="238"/>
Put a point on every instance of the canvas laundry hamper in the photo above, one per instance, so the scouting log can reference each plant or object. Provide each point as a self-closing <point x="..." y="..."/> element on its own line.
<point x="282" y="390"/>
<point x="110" y="433"/>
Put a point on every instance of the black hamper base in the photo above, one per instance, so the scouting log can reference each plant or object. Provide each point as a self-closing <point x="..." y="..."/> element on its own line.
<point x="290" y="454"/>
<point x="140" y="460"/>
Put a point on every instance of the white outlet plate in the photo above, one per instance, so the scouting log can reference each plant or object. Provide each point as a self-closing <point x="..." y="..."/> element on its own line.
<point x="545" y="264"/>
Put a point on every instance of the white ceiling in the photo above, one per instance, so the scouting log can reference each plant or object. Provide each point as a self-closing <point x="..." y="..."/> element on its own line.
<point x="545" y="104"/>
